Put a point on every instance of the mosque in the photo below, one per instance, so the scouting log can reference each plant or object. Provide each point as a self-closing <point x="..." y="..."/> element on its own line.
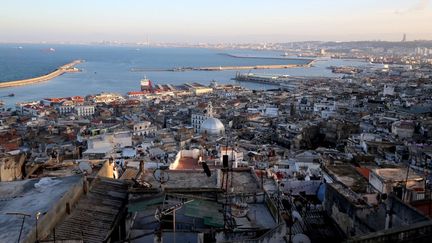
<point x="205" y="123"/>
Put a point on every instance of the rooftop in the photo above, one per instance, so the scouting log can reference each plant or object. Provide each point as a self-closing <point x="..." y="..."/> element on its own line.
<point x="29" y="198"/>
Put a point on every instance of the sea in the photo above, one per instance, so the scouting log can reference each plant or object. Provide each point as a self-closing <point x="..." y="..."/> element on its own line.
<point x="109" y="68"/>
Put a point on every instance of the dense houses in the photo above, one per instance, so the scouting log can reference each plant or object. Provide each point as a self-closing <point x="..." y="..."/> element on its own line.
<point x="332" y="160"/>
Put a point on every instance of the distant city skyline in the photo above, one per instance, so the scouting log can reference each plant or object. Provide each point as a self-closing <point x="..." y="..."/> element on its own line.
<point x="221" y="21"/>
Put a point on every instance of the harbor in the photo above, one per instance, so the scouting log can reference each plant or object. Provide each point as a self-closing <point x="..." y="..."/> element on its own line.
<point x="67" y="68"/>
<point x="284" y="81"/>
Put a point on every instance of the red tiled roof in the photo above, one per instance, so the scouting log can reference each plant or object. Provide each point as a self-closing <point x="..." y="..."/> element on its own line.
<point x="363" y="171"/>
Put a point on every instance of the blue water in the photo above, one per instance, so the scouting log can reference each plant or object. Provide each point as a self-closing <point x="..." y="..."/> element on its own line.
<point x="107" y="68"/>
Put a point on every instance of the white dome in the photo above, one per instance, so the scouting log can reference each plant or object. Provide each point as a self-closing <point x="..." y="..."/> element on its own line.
<point x="212" y="126"/>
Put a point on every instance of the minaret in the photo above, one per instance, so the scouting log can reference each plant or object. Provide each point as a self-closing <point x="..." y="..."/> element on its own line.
<point x="210" y="109"/>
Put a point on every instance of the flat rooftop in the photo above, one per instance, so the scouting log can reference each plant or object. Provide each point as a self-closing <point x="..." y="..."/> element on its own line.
<point x="349" y="176"/>
<point x="24" y="197"/>
<point x="396" y="174"/>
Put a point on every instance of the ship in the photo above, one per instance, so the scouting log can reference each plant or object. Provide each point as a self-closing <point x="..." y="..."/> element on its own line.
<point x="146" y="84"/>
<point x="49" y="49"/>
<point x="9" y="95"/>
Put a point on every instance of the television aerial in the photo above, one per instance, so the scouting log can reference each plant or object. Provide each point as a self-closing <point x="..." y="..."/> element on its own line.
<point x="161" y="176"/>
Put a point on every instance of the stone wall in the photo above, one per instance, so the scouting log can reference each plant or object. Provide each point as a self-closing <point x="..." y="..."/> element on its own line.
<point x="11" y="167"/>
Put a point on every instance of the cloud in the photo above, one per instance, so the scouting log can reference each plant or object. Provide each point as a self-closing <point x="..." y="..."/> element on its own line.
<point x="419" y="6"/>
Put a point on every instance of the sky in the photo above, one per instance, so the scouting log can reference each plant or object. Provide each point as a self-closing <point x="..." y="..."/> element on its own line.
<point x="215" y="21"/>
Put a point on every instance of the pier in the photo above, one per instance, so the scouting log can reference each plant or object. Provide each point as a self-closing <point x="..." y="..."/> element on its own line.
<point x="67" y="68"/>
<point x="219" y="68"/>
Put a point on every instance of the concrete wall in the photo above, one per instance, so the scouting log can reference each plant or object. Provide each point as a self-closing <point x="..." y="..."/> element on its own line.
<point x="419" y="233"/>
<point x="57" y="213"/>
<point x="359" y="219"/>
<point x="344" y="212"/>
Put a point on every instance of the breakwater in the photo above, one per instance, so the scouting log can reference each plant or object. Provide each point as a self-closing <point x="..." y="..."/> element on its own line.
<point x="220" y="68"/>
<point x="308" y="60"/>
<point x="67" y="68"/>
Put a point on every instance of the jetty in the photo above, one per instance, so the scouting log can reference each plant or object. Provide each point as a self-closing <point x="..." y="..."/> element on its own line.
<point x="219" y="68"/>
<point x="309" y="60"/>
<point x="67" y="68"/>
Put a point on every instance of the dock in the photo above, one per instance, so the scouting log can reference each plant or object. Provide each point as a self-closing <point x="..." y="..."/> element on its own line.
<point x="67" y="68"/>
<point x="284" y="81"/>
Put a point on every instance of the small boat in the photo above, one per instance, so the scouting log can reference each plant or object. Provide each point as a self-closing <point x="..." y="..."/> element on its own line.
<point x="11" y="95"/>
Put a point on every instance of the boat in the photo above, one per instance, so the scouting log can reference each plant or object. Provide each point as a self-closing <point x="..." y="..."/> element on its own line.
<point x="9" y="95"/>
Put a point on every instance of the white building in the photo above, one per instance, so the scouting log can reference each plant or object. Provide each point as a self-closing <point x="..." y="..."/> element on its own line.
<point x="368" y="137"/>
<point x="202" y="90"/>
<point x="84" y="110"/>
<point x="388" y="90"/>
<point x="235" y="157"/>
<point x="324" y="106"/>
<point x="108" y="98"/>
<point x="403" y="129"/>
<point x="326" y="114"/>
<point x="143" y="129"/>
<point x="198" y="118"/>
<point x="65" y="109"/>
<point x="265" y="111"/>
<point x="102" y="146"/>
<point x="385" y="180"/>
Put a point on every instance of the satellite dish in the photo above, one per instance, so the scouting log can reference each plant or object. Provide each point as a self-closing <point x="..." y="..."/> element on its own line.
<point x="297" y="216"/>
<point x="161" y="176"/>
<point x="85" y="167"/>
<point x="301" y="238"/>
